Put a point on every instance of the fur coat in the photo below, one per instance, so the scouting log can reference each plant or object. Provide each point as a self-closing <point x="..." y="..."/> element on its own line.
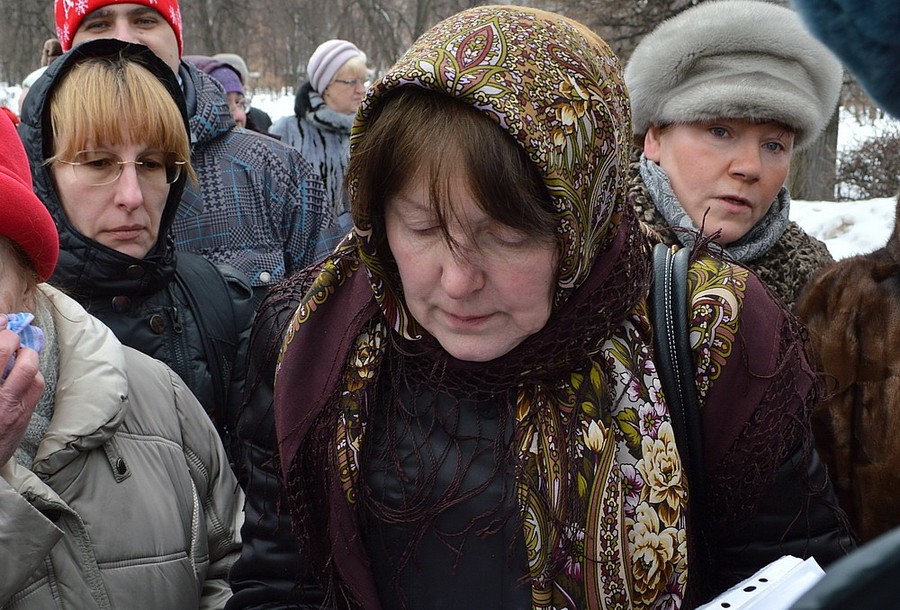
<point x="852" y="310"/>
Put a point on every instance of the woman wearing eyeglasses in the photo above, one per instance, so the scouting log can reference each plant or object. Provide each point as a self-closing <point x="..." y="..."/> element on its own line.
<point x="320" y="128"/>
<point x="107" y="139"/>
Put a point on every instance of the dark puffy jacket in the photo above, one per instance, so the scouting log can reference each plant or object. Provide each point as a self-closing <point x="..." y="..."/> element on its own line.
<point x="182" y="310"/>
<point x="797" y="516"/>
<point x="269" y="569"/>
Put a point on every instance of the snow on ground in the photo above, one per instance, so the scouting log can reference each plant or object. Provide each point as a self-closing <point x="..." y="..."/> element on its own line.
<point x="849" y="227"/>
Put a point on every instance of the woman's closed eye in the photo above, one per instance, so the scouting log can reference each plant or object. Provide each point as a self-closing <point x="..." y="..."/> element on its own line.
<point x="508" y="237"/>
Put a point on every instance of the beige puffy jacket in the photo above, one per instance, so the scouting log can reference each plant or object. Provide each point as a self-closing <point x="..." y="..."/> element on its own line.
<point x="130" y="502"/>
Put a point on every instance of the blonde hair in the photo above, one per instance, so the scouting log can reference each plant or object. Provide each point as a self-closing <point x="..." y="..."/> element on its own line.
<point x="113" y="101"/>
<point x="14" y="261"/>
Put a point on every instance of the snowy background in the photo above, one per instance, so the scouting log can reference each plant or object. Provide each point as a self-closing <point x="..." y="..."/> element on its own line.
<point x="847" y="228"/>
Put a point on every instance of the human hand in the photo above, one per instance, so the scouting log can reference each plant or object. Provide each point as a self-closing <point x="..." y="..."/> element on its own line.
<point x="19" y="393"/>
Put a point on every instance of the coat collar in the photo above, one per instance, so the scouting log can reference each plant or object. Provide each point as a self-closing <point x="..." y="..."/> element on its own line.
<point x="92" y="389"/>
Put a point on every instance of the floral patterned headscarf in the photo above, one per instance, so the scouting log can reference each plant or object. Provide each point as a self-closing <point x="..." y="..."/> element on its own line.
<point x="599" y="483"/>
<point x="558" y="90"/>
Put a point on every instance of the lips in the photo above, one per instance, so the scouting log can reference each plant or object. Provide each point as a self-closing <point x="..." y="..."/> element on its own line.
<point x="126" y="233"/>
<point x="735" y="200"/>
<point x="465" y="320"/>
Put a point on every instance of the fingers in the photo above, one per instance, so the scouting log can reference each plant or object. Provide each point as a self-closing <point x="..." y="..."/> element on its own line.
<point x="24" y="377"/>
<point x="25" y="380"/>
<point x="19" y="394"/>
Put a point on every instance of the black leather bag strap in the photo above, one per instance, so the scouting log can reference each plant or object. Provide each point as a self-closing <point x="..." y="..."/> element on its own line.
<point x="674" y="358"/>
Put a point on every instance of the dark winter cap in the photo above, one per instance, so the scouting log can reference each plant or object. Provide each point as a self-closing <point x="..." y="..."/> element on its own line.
<point x="734" y="59"/>
<point x="866" y="36"/>
<point x="229" y="78"/>
<point x="226" y="75"/>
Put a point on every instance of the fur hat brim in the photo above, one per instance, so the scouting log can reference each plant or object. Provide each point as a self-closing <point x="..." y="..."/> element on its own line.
<point x="737" y="59"/>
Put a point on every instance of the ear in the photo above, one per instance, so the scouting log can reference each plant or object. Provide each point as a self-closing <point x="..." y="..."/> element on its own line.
<point x="652" y="143"/>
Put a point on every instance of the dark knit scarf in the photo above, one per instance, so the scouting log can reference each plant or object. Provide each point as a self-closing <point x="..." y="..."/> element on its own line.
<point x="309" y="103"/>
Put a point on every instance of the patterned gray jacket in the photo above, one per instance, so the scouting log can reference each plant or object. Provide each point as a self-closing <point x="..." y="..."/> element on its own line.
<point x="259" y="205"/>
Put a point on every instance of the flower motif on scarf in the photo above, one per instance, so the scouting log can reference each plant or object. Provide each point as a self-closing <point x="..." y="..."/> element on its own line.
<point x="661" y="470"/>
<point x="365" y="358"/>
<point x="654" y="548"/>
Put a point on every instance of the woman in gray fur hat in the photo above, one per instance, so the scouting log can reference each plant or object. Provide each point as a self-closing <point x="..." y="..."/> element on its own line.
<point x="722" y="95"/>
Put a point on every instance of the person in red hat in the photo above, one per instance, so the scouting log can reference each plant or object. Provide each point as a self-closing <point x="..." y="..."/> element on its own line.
<point x="259" y="206"/>
<point x="29" y="230"/>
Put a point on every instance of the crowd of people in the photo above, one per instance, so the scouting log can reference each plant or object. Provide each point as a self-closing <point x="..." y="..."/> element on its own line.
<point x="399" y="349"/>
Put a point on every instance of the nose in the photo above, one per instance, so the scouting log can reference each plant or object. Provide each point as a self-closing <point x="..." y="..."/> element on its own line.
<point x="461" y="275"/>
<point x="122" y="31"/>
<point x="240" y="116"/>
<point x="129" y="194"/>
<point x="747" y="162"/>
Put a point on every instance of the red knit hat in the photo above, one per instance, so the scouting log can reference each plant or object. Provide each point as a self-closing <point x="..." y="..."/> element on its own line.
<point x="24" y="220"/>
<point x="70" y="13"/>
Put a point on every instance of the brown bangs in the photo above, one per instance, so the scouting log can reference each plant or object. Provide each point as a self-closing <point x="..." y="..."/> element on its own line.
<point x="415" y="132"/>
<point x="111" y="102"/>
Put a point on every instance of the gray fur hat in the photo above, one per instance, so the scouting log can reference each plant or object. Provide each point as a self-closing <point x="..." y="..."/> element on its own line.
<point x="737" y="59"/>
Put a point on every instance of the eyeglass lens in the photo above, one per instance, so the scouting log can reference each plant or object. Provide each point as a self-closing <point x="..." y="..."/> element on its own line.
<point x="97" y="168"/>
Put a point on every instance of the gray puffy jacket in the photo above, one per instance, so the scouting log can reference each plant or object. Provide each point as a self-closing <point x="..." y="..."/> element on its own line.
<point x="130" y="501"/>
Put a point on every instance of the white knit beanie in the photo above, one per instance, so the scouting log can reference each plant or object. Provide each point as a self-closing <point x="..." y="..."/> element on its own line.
<point x="327" y="59"/>
<point x="734" y="59"/>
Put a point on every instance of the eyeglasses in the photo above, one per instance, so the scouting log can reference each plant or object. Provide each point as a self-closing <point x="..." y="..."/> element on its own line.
<point x="353" y="83"/>
<point x="99" y="167"/>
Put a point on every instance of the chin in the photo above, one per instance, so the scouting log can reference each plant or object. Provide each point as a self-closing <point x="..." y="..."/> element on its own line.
<point x="482" y="351"/>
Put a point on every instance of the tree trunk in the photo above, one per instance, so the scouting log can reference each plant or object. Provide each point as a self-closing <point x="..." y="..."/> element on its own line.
<point x="812" y="175"/>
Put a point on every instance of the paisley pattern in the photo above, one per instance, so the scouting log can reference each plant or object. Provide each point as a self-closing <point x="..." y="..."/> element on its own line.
<point x="600" y="437"/>
<point x="716" y="309"/>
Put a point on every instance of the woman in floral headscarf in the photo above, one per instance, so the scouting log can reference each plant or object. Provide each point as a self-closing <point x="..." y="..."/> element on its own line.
<point x="467" y="407"/>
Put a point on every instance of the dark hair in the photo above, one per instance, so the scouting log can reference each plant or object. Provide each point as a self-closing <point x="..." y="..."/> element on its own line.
<point x="416" y="132"/>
